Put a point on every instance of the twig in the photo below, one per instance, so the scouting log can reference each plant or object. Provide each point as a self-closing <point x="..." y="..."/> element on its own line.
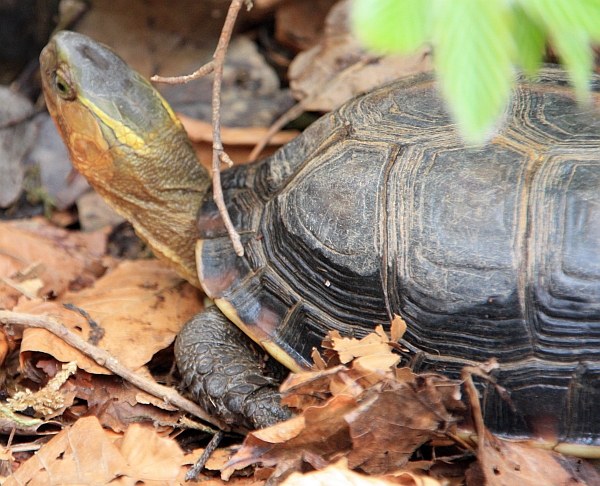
<point x="473" y="399"/>
<point x="466" y="375"/>
<point x="208" y="68"/>
<point x="459" y="440"/>
<point x="296" y="110"/>
<point x="196" y="469"/>
<point x="219" y="155"/>
<point x="104" y="358"/>
<point x="293" y="113"/>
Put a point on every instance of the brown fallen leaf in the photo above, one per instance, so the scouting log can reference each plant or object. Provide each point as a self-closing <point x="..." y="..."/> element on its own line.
<point x="215" y="462"/>
<point x="200" y="131"/>
<point x="153" y="459"/>
<point x="374" y="417"/>
<point x="397" y="329"/>
<point x="216" y="481"/>
<point x="86" y="454"/>
<point x="371" y="346"/>
<point x="299" y="25"/>
<point x="137" y="310"/>
<point x="81" y="454"/>
<point x="303" y="390"/>
<point x="340" y="475"/>
<point x="8" y="343"/>
<point x="504" y="463"/>
<point x="238" y="142"/>
<point x="320" y="431"/>
<point x="338" y="68"/>
<point x="38" y="259"/>
<point x="117" y="404"/>
<point x="267" y="3"/>
<point x="389" y="425"/>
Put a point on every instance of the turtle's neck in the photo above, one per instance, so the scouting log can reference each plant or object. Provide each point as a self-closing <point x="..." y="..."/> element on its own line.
<point x="159" y="191"/>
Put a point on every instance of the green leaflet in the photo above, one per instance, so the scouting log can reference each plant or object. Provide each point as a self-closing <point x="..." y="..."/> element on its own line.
<point x="566" y="15"/>
<point x="575" y="53"/>
<point x="571" y="26"/>
<point x="391" y="25"/>
<point x="476" y="41"/>
<point x="530" y="40"/>
<point x="474" y="50"/>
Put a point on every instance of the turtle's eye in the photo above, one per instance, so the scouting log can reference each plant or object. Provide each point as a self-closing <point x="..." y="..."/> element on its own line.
<point x="63" y="87"/>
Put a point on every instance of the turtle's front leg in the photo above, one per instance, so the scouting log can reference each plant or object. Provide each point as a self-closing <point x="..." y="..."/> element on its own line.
<point x="223" y="374"/>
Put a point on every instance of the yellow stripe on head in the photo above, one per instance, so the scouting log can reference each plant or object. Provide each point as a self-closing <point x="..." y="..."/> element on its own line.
<point x="169" y="110"/>
<point x="123" y="133"/>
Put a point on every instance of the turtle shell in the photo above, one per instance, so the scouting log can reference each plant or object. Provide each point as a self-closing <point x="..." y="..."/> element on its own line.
<point x="488" y="251"/>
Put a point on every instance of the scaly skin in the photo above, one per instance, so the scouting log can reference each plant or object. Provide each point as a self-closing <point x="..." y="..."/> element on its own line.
<point x="219" y="369"/>
<point x="127" y="142"/>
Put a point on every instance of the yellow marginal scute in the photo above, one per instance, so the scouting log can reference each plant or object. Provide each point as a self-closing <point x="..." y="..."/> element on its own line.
<point x="199" y="244"/>
<point x="229" y="311"/>
<point x="280" y="355"/>
<point x="269" y="346"/>
<point x="123" y="133"/>
<point x="583" y="451"/>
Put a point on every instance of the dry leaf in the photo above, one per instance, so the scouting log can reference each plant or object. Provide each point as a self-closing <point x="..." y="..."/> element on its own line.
<point x="505" y="463"/>
<point x="338" y="68"/>
<point x="137" y="310"/>
<point x="338" y="474"/>
<point x="37" y="258"/>
<point x="81" y="454"/>
<point x="267" y="4"/>
<point x="177" y="34"/>
<point x="397" y="329"/>
<point x="8" y="341"/>
<point x="321" y="431"/>
<point x="238" y="142"/>
<point x="152" y="458"/>
<point x="389" y="425"/>
<point x="376" y="424"/>
<point x="85" y="454"/>
<point x="216" y="461"/>
<point x="299" y="25"/>
<point x="372" y="345"/>
<point x="200" y="131"/>
<point x="117" y="404"/>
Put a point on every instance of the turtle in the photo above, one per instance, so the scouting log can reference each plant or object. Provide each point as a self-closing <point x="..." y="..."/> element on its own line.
<point x="377" y="209"/>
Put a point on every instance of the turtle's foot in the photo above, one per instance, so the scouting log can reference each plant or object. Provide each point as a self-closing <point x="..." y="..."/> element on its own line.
<point x="223" y="373"/>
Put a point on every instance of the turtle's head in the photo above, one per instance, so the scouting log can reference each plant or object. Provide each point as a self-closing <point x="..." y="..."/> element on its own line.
<point x="127" y="142"/>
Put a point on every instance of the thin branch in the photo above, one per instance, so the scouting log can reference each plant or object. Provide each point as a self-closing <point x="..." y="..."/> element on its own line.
<point x="219" y="155"/>
<point x="296" y="110"/>
<point x="104" y="358"/>
<point x="293" y="113"/>
<point x="460" y="441"/>
<point x="196" y="469"/>
<point x="208" y="68"/>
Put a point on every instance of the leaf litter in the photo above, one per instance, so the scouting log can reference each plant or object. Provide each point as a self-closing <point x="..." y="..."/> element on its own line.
<point x="366" y="411"/>
<point x="359" y="418"/>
